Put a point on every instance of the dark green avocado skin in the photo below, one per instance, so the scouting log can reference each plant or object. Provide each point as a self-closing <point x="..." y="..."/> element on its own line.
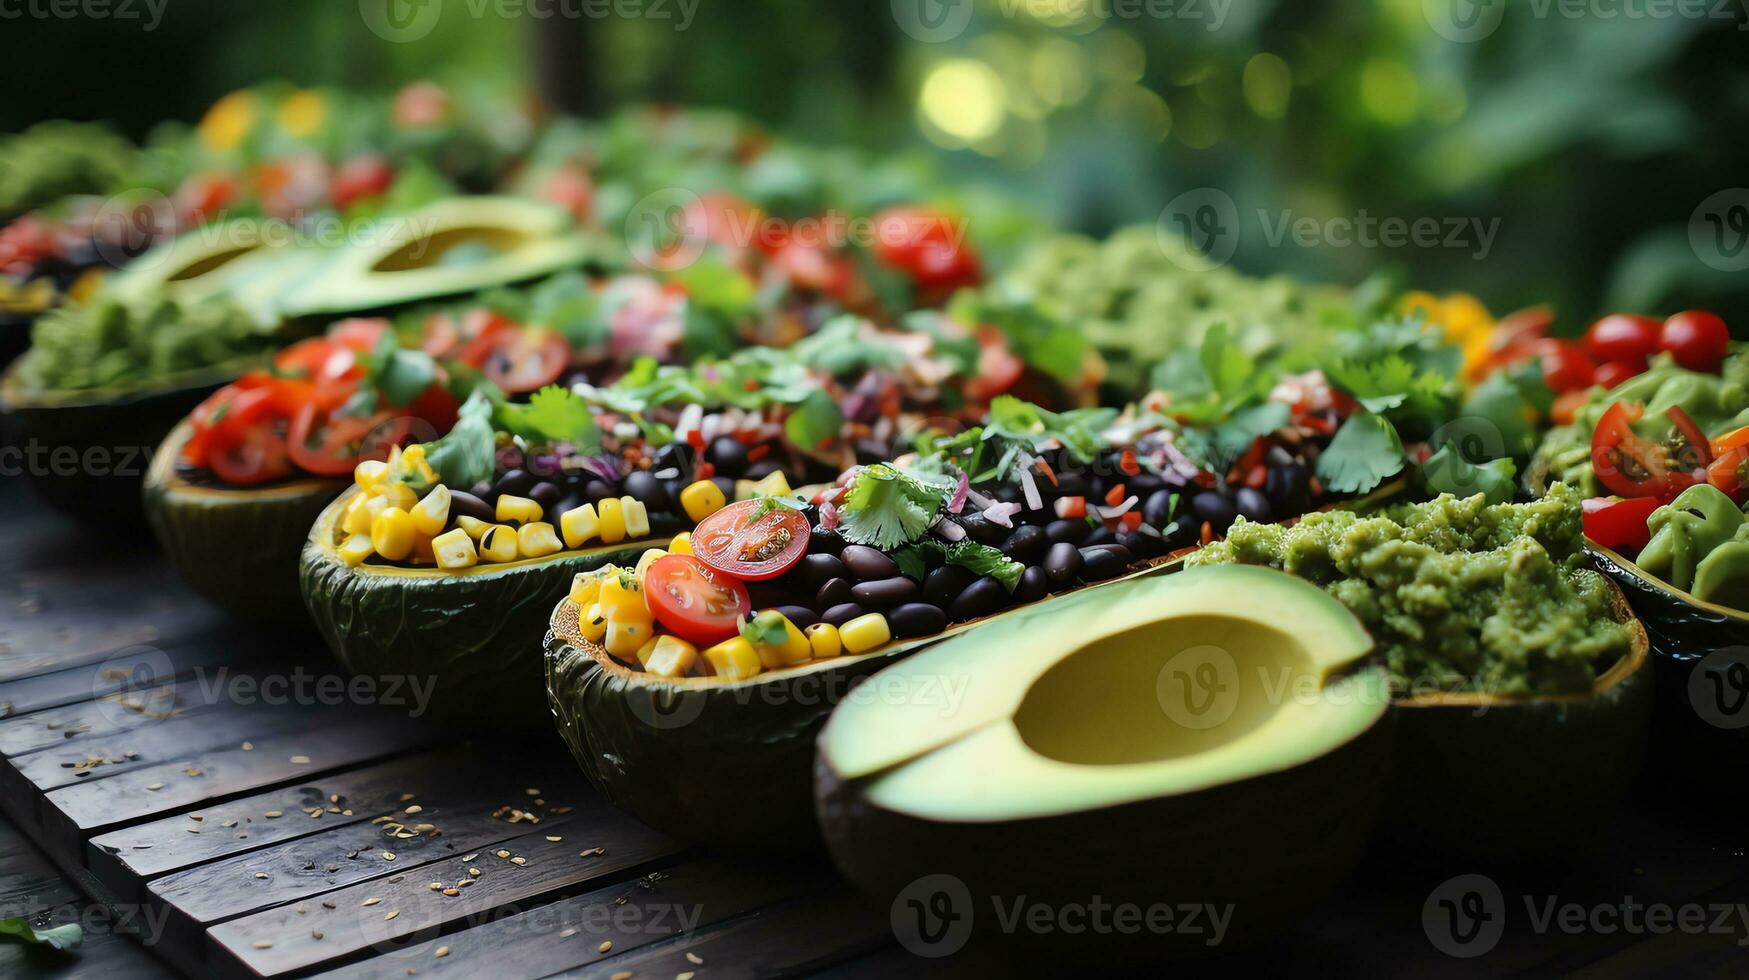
<point x="1271" y="848"/>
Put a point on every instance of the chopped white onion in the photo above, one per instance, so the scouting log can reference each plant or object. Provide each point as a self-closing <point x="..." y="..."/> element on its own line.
<point x="950" y="529"/>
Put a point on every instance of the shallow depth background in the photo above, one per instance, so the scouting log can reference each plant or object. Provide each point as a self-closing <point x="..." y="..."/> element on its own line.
<point x="1594" y="132"/>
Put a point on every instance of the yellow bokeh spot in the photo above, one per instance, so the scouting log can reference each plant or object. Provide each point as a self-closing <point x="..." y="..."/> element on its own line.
<point x="1058" y="71"/>
<point x="1268" y="83"/>
<point x="1058" y="13"/>
<point x="302" y="113"/>
<point x="1118" y="55"/>
<point x="1390" y="91"/>
<point x="228" y="121"/>
<point x="962" y="102"/>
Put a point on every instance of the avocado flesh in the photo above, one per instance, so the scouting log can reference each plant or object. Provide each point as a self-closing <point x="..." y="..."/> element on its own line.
<point x="194" y="264"/>
<point x="1062" y="712"/>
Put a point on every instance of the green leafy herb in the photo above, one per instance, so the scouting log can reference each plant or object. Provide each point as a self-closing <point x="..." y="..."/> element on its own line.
<point x="553" y="414"/>
<point x="1077" y="429"/>
<point x="1364" y="452"/>
<point x="816" y="421"/>
<point x="67" y="936"/>
<point x="1447" y="471"/>
<point x="885" y="508"/>
<point x="979" y="559"/>
<point x="764" y="629"/>
<point x="467" y="455"/>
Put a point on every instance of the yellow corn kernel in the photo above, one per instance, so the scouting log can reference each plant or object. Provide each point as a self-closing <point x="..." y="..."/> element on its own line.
<point x="400" y="495"/>
<point x="592" y="623"/>
<point x="637" y="517"/>
<point x="579" y="524"/>
<point x="671" y="657"/>
<point x="774" y="485"/>
<point x="473" y="526"/>
<point x="537" y="540"/>
<point x="431" y="515"/>
<point x="413" y="461"/>
<point x="357" y="518"/>
<point x="702" y="499"/>
<point x="369" y="474"/>
<point x="733" y="658"/>
<point x="498" y="544"/>
<point x="864" y="633"/>
<point x="585" y="587"/>
<point x="454" y="549"/>
<point x="682" y="544"/>
<point x="794" y="648"/>
<point x="356" y="548"/>
<point x="517" y="510"/>
<point x="391" y="534"/>
<point x="823" y="641"/>
<point x="613" y="521"/>
<point x="647" y="559"/>
<point x="644" y="651"/>
<point x="622" y="594"/>
<point x="624" y="636"/>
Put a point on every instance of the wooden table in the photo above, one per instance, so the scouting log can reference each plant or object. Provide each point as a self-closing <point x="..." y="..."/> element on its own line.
<point x="196" y="787"/>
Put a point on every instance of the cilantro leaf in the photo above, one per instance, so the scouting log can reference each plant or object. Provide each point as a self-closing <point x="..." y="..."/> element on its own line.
<point x="1447" y="471"/>
<point x="553" y="414"/>
<point x="1364" y="452"/>
<point x="1231" y="374"/>
<point x="816" y="421"/>
<point x="66" y="936"/>
<point x="1077" y="429"/>
<point x="764" y="629"/>
<point x="979" y="559"/>
<point x="1234" y="436"/>
<point x="468" y="454"/>
<point x="884" y="508"/>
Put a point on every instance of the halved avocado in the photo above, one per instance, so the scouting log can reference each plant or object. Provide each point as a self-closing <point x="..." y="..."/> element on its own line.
<point x="237" y="546"/>
<point x="457" y="245"/>
<point x="1483" y="779"/>
<point x="195" y="264"/>
<point x="1207" y="738"/>
<point x="95" y="445"/>
<point x="476" y="633"/>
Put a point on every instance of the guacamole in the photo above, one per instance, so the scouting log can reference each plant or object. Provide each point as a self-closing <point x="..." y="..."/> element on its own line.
<point x="108" y="343"/>
<point x="1459" y="594"/>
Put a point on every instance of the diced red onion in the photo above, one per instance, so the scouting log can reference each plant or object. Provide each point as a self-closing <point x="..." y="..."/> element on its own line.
<point x="828" y="515"/>
<point x="1001" y="513"/>
<point x="950" y="529"/>
<point x="957" y="502"/>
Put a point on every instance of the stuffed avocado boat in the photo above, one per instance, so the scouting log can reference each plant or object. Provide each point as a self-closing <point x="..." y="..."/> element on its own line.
<point x="1521" y="691"/>
<point x="675" y="680"/>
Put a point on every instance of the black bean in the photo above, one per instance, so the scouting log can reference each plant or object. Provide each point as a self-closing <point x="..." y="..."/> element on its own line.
<point x="824" y="541"/>
<point x="916" y="619"/>
<point x="1099" y="564"/>
<point x="1186" y="530"/>
<point x="1062" y="564"/>
<point x="1124" y="554"/>
<point x="672" y="489"/>
<point x="1211" y="506"/>
<point x="642" y="486"/>
<point x="1099" y="535"/>
<point x="728" y="455"/>
<point x="801" y="616"/>
<point x="547" y="495"/>
<point x="1140" y="545"/>
<point x="833" y="593"/>
<point x="1036" y="518"/>
<point x="598" y="489"/>
<point x="817" y="569"/>
<point x="465" y="504"/>
<point x="1026" y="545"/>
<point x="1157" y="510"/>
<point x="981" y="598"/>
<point x="983" y="530"/>
<point x="674" y="455"/>
<point x="1033" y="585"/>
<point x="1068" y="484"/>
<point x="1253" y="504"/>
<point x="944" y="584"/>
<point x="775" y="592"/>
<point x="867" y="564"/>
<point x="1066" y="529"/>
<point x="761" y="469"/>
<point x="515" y="482"/>
<point x="726" y="485"/>
<point x="842" y="613"/>
<point x="483" y="490"/>
<point x="886" y="593"/>
<point x="1145" y="484"/>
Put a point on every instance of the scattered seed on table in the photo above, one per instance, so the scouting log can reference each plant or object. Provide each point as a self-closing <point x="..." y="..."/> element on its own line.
<point x="130" y="754"/>
<point x="327" y="905"/>
<point x="300" y="760"/>
<point x="684" y="976"/>
<point x="622" y="975"/>
<point x="371" y="901"/>
<point x="442" y="951"/>
<point x="272" y="814"/>
<point x="563" y="809"/>
<point x="606" y="944"/>
<point x="197" y="817"/>
<point x="229" y="823"/>
<point x="263" y="945"/>
<point x="391" y="915"/>
<point x="567" y="934"/>
<point x="554" y="839"/>
<point x="694" y="959"/>
<point x="315" y="934"/>
<point x="470" y="857"/>
<point x="248" y="746"/>
<point x="155" y="787"/>
<point x="592" y="852"/>
<point x="192" y="830"/>
<point x="452" y="892"/>
<point x="473" y="871"/>
<point x="415" y="808"/>
<point x="191" y="771"/>
<point x="519" y="861"/>
<point x="436" y="885"/>
<point x="407" y="796"/>
<point x="261" y="874"/>
<point x="397" y="879"/>
<point x="388" y="855"/>
<point x="532" y="792"/>
<point x="503" y="854"/>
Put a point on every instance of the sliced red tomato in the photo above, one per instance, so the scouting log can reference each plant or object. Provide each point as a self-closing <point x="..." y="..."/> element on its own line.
<point x="1567" y="405"/>
<point x="480" y="329"/>
<point x="924" y="244"/>
<point x="1612" y="373"/>
<point x="1631" y="465"/>
<point x="326" y="444"/>
<point x="304" y="358"/>
<point x="1729" y="470"/>
<point x="362" y="176"/>
<point x="247" y="442"/>
<point x="751" y="540"/>
<point x="694" y="601"/>
<point x="1565" y="365"/>
<point x="998" y="368"/>
<point x="1697" y="339"/>
<point x="1619" y="524"/>
<point x="524" y="359"/>
<point x="1627" y="338"/>
<point x="441" y="335"/>
<point x="358" y="333"/>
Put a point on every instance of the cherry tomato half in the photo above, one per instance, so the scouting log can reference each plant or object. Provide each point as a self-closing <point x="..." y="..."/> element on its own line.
<point x="1565" y="365"/>
<point x="1697" y="339"/>
<point x="1612" y="373"/>
<point x="924" y="244"/>
<point x="1618" y="524"/>
<point x="362" y="176"/>
<point x="525" y="359"/>
<point x="695" y="601"/>
<point x="326" y="444"/>
<point x="247" y="444"/>
<point x="1625" y="337"/>
<point x="1631" y="465"/>
<point x="751" y="540"/>
<point x="1729" y="470"/>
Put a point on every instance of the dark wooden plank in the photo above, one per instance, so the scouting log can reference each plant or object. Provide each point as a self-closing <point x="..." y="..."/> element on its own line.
<point x="119" y="712"/>
<point x="802" y="936"/>
<point x="310" y="934"/>
<point x="566" y="933"/>
<point x="200" y="656"/>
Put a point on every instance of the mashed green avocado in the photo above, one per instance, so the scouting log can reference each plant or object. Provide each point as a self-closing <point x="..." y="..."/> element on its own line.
<point x="53" y="159"/>
<point x="1718" y="403"/>
<point x="1459" y="595"/>
<point x="107" y="343"/>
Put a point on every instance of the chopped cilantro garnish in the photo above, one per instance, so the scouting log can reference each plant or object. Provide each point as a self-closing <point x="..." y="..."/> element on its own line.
<point x="1363" y="453"/>
<point x="885" y="508"/>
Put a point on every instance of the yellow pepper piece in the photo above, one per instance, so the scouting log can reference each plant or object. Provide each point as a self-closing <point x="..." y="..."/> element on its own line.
<point x="702" y="499"/>
<point x="824" y="642"/>
<point x="613" y="521"/>
<point x="579" y="524"/>
<point x="585" y="588"/>
<point x="682" y="544"/>
<point x="592" y="623"/>
<point x="672" y="657"/>
<point x="454" y="549"/>
<point x="733" y="658"/>
<point x="864" y="633"/>
<point x="369" y="474"/>
<point x="537" y="540"/>
<point x="356" y="548"/>
<point x="637" y="517"/>
<point x="392" y="533"/>
<point x="622" y="594"/>
<point x="498" y="544"/>
<point x="517" y="510"/>
<point x="431" y="515"/>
